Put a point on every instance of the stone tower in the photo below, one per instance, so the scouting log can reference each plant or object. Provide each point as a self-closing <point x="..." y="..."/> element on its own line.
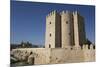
<point x="79" y="29"/>
<point x="67" y="33"/>
<point x="53" y="30"/>
<point x="64" y="30"/>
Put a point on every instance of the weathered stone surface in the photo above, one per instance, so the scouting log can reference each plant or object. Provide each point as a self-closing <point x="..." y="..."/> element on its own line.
<point x="56" y="55"/>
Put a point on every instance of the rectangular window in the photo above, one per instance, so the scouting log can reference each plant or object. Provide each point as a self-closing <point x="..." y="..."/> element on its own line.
<point x="49" y="46"/>
<point x="66" y="22"/>
<point x="50" y="34"/>
<point x="50" y="22"/>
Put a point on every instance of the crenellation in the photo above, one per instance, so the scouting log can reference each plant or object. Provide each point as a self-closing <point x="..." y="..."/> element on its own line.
<point x="91" y="47"/>
<point x="63" y="12"/>
<point x="51" y="13"/>
<point x="76" y="12"/>
<point x="77" y="48"/>
<point x="87" y="46"/>
<point x="84" y="47"/>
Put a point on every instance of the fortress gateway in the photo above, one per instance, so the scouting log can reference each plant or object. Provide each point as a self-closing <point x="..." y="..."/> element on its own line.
<point x="64" y="41"/>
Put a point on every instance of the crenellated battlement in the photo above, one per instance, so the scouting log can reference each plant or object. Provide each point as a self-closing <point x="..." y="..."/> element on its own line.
<point x="75" y="12"/>
<point x="51" y="13"/>
<point x="62" y="12"/>
<point x="66" y="12"/>
<point x="55" y="12"/>
<point x="84" y="47"/>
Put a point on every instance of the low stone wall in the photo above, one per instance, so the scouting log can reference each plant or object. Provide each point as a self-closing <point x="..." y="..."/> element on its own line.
<point x="55" y="55"/>
<point x="41" y="55"/>
<point x="63" y="55"/>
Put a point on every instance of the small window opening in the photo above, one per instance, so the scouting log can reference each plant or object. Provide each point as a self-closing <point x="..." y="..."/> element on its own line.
<point x="49" y="46"/>
<point x="50" y="34"/>
<point x="66" y="22"/>
<point x="50" y="22"/>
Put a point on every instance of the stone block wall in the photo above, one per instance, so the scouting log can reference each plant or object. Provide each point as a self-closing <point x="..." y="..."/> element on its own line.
<point x="57" y="55"/>
<point x="41" y="55"/>
<point x="72" y="54"/>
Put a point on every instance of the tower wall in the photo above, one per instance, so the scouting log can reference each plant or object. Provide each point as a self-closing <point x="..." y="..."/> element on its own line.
<point x="53" y="30"/>
<point x="66" y="29"/>
<point x="75" y="16"/>
<point x="79" y="29"/>
<point x="82" y="36"/>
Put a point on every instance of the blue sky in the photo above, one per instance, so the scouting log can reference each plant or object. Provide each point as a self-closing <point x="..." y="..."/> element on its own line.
<point x="28" y="20"/>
